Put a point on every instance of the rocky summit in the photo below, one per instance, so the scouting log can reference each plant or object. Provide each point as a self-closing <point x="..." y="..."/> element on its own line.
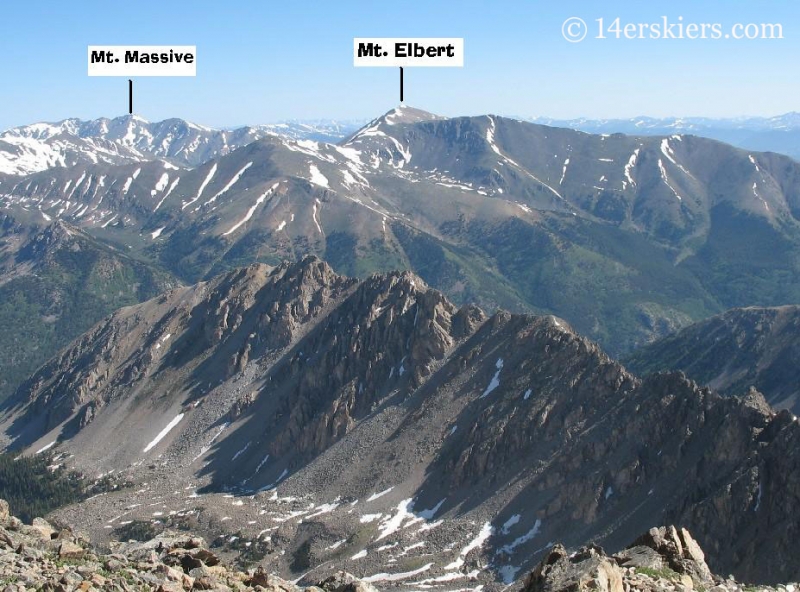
<point x="664" y="559"/>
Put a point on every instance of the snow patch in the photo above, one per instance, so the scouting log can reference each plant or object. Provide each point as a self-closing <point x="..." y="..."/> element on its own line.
<point x="367" y="518"/>
<point x="386" y="577"/>
<point x="46" y="447"/>
<point x="508" y="573"/>
<point x="486" y="531"/>
<point x="509" y="523"/>
<point x="240" y="452"/>
<point x="428" y="514"/>
<point x="509" y="549"/>
<point x="495" y="382"/>
<point x="317" y="178"/>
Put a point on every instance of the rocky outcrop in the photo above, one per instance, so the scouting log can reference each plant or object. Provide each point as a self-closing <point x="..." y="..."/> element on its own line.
<point x="665" y="559"/>
<point x="392" y="328"/>
<point x="588" y="569"/>
<point x="680" y="551"/>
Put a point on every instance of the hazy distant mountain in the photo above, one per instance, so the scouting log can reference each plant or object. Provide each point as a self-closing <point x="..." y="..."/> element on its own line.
<point x="627" y="237"/>
<point x="379" y="426"/>
<point x="764" y="134"/>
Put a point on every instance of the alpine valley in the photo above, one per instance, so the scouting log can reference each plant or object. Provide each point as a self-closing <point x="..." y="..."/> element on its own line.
<point x="392" y="349"/>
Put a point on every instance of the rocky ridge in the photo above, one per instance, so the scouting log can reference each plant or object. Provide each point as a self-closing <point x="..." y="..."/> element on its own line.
<point x="373" y="422"/>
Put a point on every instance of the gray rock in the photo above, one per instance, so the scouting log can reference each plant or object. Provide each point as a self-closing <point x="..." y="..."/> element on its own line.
<point x="68" y="550"/>
<point x="342" y="581"/>
<point x="639" y="556"/>
<point x="588" y="569"/>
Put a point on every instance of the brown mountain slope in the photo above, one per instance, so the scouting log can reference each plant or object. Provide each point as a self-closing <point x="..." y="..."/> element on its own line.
<point x="734" y="351"/>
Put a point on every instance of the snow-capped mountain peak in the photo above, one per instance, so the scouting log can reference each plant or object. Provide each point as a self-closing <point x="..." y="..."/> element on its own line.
<point x="133" y="139"/>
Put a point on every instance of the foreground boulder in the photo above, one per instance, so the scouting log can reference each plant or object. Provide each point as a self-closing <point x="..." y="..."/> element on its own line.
<point x="664" y="559"/>
<point x="588" y="569"/>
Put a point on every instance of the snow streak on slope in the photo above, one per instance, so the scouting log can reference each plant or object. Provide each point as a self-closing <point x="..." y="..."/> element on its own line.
<point x="628" y="168"/>
<point x="164" y="432"/>
<point x="666" y="179"/>
<point x="202" y="187"/>
<point x="230" y="184"/>
<point x="316" y="219"/>
<point x="169" y="191"/>
<point x="667" y="151"/>
<point x="252" y="209"/>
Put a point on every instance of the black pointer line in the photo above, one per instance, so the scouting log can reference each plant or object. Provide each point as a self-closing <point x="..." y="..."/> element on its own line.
<point x="130" y="97"/>
<point x="401" y="84"/>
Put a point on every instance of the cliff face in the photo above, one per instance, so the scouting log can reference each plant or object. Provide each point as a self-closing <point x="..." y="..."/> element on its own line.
<point x="503" y="431"/>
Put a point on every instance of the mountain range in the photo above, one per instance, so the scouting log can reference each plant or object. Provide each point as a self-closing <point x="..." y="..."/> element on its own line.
<point x="487" y="209"/>
<point x="124" y="140"/>
<point x="395" y="352"/>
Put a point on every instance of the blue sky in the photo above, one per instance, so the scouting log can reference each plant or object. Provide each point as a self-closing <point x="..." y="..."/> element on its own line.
<point x="265" y="61"/>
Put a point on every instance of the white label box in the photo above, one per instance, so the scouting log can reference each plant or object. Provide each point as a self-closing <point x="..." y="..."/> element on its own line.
<point x="430" y="52"/>
<point x="142" y="60"/>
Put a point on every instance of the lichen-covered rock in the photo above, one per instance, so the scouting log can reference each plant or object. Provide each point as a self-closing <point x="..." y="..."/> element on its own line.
<point x="679" y="551"/>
